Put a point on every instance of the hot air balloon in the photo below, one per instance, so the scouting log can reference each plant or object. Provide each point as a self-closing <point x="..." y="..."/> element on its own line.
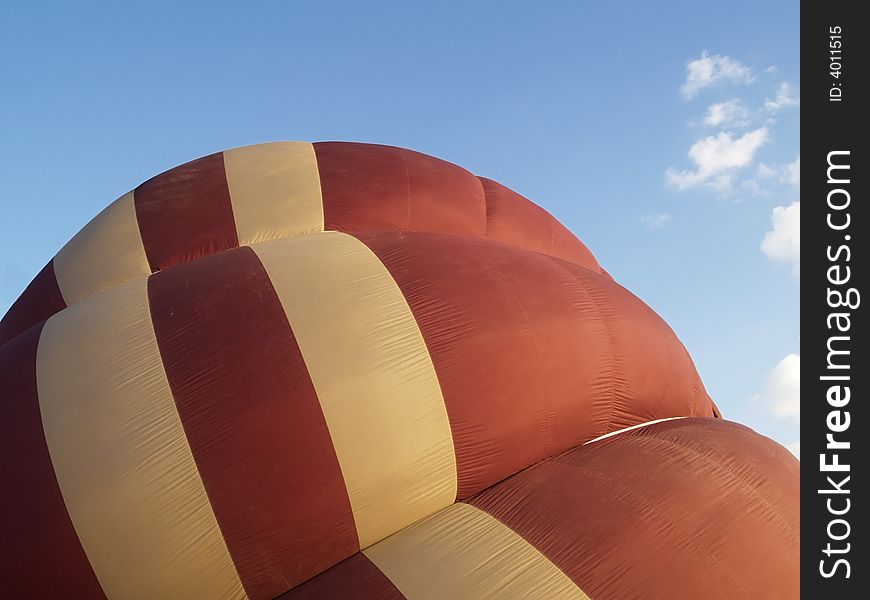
<point x="343" y="370"/>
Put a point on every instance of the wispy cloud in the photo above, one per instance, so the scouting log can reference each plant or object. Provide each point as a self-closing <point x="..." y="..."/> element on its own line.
<point x="769" y="177"/>
<point x="720" y="160"/>
<point x="785" y="97"/>
<point x="717" y="158"/>
<point x="783" y="241"/>
<point x="792" y="173"/>
<point x="655" y="221"/>
<point x="795" y="448"/>
<point x="712" y="70"/>
<point x="731" y="113"/>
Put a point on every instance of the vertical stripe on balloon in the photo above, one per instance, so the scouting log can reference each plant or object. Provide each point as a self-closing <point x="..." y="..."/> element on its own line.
<point x="520" y="350"/>
<point x="356" y="578"/>
<point x="122" y="459"/>
<point x="186" y="213"/>
<point x="107" y="252"/>
<point x="373" y="375"/>
<point x="43" y="557"/>
<point x="462" y="552"/>
<point x="253" y="420"/>
<point x="40" y="300"/>
<point x="275" y="190"/>
<point x="369" y="187"/>
<point x="534" y="354"/>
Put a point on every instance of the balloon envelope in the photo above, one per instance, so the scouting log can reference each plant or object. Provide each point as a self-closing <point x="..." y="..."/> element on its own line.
<point x="306" y="368"/>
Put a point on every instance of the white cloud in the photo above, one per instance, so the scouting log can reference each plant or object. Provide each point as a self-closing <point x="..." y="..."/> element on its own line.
<point x="765" y="171"/>
<point x="655" y="221"/>
<point x="785" y="97"/>
<point x="792" y="173"/>
<point x="729" y="113"/>
<point x="711" y="70"/>
<point x="782" y="388"/>
<point x="717" y="158"/>
<point x="780" y="396"/>
<point x="783" y="241"/>
<point x="769" y="176"/>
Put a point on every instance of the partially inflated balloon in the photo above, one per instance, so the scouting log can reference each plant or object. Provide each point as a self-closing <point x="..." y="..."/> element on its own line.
<point x="345" y="370"/>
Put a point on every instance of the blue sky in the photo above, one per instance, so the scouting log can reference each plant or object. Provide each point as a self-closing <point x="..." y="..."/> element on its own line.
<point x="602" y="114"/>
